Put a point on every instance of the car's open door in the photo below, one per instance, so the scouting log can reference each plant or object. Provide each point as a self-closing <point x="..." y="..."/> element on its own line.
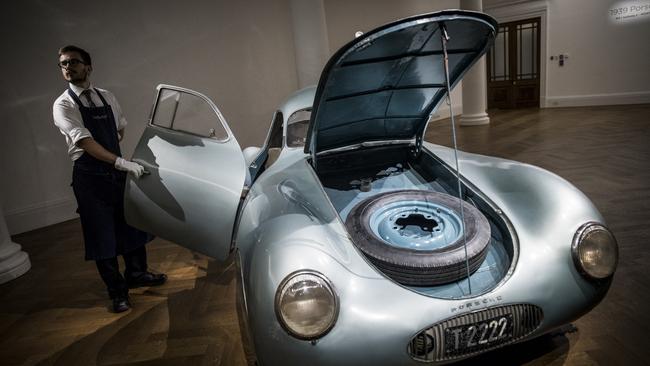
<point x="194" y="177"/>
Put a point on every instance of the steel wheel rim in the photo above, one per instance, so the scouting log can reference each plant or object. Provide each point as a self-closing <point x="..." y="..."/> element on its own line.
<point x="416" y="225"/>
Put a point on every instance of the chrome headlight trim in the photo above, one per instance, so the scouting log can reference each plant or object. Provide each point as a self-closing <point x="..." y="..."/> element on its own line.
<point x="281" y="290"/>
<point x="584" y="233"/>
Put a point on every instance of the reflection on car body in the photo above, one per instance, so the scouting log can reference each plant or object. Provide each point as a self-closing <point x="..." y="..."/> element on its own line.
<point x="358" y="242"/>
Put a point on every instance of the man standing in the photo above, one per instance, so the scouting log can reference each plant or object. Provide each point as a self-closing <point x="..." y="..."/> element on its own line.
<point x="92" y="122"/>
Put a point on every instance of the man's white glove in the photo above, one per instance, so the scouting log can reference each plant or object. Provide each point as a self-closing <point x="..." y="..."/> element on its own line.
<point x="128" y="166"/>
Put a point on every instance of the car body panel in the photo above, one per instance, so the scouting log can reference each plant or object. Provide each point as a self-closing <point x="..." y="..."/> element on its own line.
<point x="300" y="99"/>
<point x="385" y="84"/>
<point x="380" y="315"/>
<point x="287" y="204"/>
<point x="186" y="197"/>
<point x="287" y="223"/>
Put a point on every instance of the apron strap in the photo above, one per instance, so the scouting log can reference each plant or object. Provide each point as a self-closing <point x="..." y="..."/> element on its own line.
<point x="78" y="101"/>
<point x="75" y="98"/>
<point x="101" y="97"/>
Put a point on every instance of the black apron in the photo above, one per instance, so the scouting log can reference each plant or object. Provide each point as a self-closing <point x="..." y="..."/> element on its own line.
<point x="99" y="190"/>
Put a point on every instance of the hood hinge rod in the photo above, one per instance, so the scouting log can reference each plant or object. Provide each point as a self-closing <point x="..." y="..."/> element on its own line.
<point x="444" y="37"/>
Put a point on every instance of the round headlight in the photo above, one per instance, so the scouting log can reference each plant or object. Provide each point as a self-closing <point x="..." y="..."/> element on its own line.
<point x="306" y="305"/>
<point x="595" y="252"/>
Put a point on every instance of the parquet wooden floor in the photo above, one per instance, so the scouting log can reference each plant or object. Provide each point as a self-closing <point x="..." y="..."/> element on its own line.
<point x="56" y="314"/>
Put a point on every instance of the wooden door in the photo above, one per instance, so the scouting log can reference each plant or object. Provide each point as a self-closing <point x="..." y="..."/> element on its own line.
<point x="513" y="65"/>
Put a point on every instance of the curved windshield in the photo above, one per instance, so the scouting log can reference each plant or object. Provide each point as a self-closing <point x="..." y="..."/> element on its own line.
<point x="297" y="128"/>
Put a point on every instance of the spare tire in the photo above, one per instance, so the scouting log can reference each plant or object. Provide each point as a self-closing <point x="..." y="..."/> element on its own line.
<point x="416" y="237"/>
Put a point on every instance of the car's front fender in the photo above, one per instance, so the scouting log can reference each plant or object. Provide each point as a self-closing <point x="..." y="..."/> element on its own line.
<point x="545" y="211"/>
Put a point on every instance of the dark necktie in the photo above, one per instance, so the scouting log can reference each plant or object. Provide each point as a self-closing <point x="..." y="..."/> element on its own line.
<point x="86" y="95"/>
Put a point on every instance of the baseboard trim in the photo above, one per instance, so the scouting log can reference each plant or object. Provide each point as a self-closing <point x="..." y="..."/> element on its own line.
<point x="598" y="99"/>
<point x="41" y="214"/>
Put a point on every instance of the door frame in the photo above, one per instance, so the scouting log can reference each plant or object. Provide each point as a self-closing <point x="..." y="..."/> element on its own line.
<point x="512" y="11"/>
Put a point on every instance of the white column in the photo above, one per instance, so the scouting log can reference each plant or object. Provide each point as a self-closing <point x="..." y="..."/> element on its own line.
<point x="13" y="261"/>
<point x="474" y="83"/>
<point x="310" y="40"/>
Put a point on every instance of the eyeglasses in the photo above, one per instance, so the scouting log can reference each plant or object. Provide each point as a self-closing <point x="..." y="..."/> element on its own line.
<point x="71" y="62"/>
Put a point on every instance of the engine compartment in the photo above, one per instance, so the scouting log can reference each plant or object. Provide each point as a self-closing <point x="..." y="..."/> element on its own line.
<point x="352" y="177"/>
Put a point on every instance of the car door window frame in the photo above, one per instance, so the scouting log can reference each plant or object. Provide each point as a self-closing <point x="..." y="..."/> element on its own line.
<point x="220" y="118"/>
<point x="257" y="167"/>
<point x="285" y="132"/>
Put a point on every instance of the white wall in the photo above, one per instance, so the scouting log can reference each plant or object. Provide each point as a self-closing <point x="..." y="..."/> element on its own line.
<point x="310" y="40"/>
<point x="238" y="53"/>
<point x="608" y="58"/>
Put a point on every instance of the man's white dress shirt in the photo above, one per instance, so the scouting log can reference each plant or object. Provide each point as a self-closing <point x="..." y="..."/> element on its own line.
<point x="67" y="116"/>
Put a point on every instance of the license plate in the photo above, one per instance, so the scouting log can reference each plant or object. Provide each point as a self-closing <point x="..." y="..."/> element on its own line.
<point x="470" y="337"/>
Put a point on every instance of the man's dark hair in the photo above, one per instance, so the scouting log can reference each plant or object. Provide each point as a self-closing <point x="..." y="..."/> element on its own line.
<point x="85" y="56"/>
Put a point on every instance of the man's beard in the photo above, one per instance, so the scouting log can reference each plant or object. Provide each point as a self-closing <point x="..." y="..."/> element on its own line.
<point x="78" y="78"/>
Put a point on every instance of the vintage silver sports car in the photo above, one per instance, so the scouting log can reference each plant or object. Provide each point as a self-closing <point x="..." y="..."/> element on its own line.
<point x="356" y="241"/>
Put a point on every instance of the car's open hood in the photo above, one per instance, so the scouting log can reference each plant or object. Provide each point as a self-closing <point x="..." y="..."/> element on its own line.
<point x="384" y="85"/>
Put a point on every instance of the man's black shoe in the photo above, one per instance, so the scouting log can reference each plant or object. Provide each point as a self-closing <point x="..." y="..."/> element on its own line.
<point x="147" y="279"/>
<point x="121" y="304"/>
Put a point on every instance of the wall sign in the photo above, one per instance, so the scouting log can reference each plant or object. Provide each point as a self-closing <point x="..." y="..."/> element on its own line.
<point x="628" y="11"/>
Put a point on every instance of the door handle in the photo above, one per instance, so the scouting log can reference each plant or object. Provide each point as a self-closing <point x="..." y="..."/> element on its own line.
<point x="144" y="164"/>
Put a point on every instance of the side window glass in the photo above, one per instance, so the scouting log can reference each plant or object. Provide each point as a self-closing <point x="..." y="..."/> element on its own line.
<point x="297" y="128"/>
<point x="274" y="140"/>
<point x="275" y="135"/>
<point x="187" y="112"/>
